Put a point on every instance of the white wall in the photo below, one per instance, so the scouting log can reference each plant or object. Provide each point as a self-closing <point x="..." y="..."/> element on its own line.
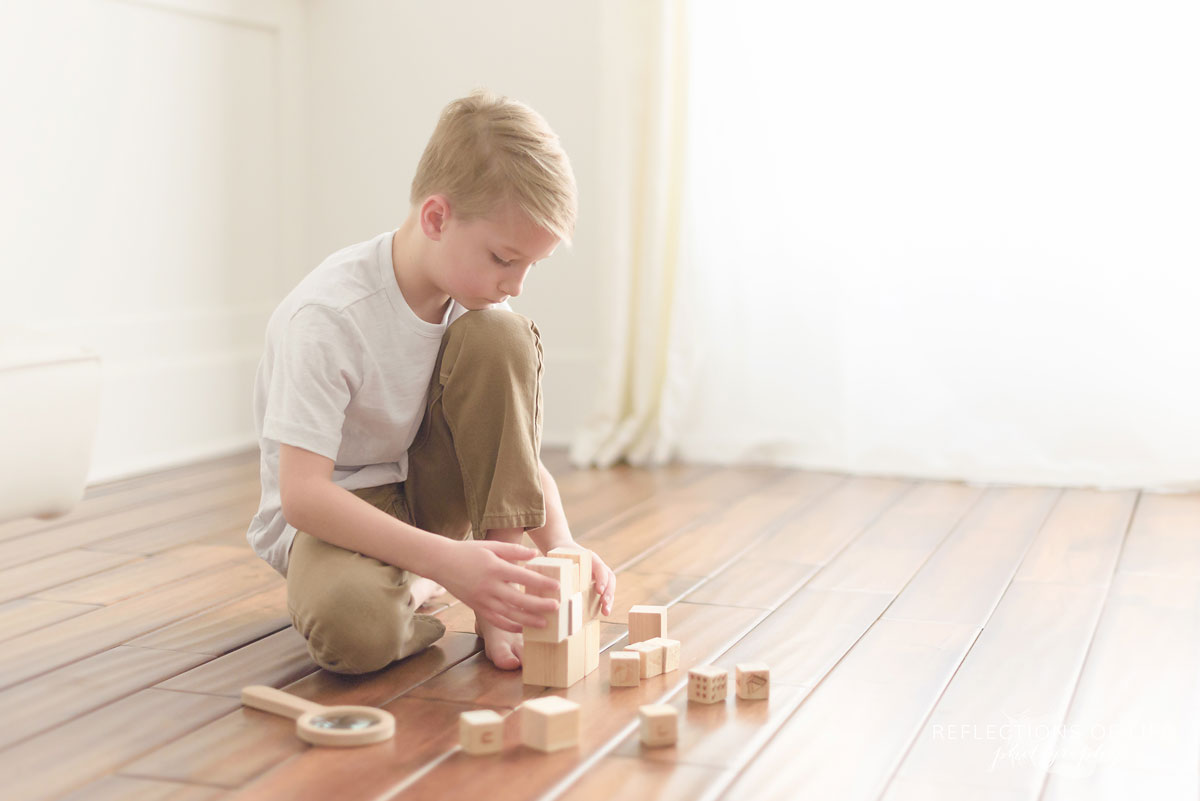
<point x="153" y="164"/>
<point x="380" y="74"/>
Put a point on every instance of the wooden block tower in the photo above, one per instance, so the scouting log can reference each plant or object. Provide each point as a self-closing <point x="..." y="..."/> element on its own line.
<point x="568" y="647"/>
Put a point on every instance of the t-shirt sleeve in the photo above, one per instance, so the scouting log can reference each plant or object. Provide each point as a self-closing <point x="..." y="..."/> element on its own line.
<point x="316" y="371"/>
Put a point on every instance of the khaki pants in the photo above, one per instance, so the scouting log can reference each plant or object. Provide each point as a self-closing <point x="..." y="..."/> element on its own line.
<point x="472" y="467"/>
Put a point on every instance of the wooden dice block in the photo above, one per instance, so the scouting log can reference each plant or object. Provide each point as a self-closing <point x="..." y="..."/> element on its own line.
<point x="753" y="681"/>
<point x="558" y="622"/>
<point x="659" y="724"/>
<point x="670" y="657"/>
<point x="481" y="731"/>
<point x="647" y="622"/>
<point x="624" y="669"/>
<point x="650" y="656"/>
<point x="550" y="723"/>
<point x="707" y="684"/>
<point x="554" y="664"/>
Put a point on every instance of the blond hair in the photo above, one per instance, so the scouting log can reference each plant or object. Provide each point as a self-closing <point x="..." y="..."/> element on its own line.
<point x="488" y="150"/>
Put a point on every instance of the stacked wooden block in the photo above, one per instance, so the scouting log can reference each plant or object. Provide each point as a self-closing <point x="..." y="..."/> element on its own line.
<point x="649" y="653"/>
<point x="567" y="648"/>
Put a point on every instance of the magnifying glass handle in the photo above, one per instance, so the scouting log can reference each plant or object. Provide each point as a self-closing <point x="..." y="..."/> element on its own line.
<point x="277" y="702"/>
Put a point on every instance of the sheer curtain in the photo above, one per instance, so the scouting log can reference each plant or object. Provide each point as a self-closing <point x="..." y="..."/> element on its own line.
<point x="939" y="239"/>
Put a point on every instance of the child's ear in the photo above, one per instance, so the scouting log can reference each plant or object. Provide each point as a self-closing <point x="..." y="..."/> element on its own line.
<point x="435" y="211"/>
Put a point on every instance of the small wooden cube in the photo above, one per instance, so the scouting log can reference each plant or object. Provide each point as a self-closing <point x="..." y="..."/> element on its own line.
<point x="650" y="655"/>
<point x="558" y="622"/>
<point x="647" y="622"/>
<point x="481" y="731"/>
<point x="670" y="652"/>
<point x="554" y="664"/>
<point x="707" y="684"/>
<point x="582" y="559"/>
<point x="753" y="681"/>
<point x="624" y="669"/>
<point x="550" y="723"/>
<point x="659" y="724"/>
<point x="575" y="613"/>
<point x="591" y="646"/>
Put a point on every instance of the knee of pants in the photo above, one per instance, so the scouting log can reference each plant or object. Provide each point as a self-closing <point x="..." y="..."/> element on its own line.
<point x="496" y="335"/>
<point x="351" y="629"/>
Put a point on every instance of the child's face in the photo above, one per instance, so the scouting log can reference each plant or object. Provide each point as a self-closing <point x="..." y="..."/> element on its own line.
<point x="485" y="261"/>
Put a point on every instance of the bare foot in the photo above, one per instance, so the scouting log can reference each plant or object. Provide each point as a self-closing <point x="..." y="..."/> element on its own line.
<point x="422" y="589"/>
<point x="502" y="647"/>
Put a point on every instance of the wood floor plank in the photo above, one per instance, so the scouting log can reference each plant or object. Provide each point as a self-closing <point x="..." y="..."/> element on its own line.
<point x="735" y="528"/>
<point x="1164" y="538"/>
<point x="26" y="615"/>
<point x="276" y="660"/>
<point x="1081" y="539"/>
<point x="226" y="627"/>
<point x="143" y="574"/>
<point x="223" y="525"/>
<point x="706" y="631"/>
<point x="819" y="532"/>
<point x="753" y="583"/>
<point x="1132" y="728"/>
<point x="101" y="500"/>
<point x="893" y="547"/>
<point x="91" y="746"/>
<point x="1016" y="682"/>
<point x="54" y="570"/>
<point x="246" y="743"/>
<point x="53" y="698"/>
<point x="318" y="774"/>
<point x="621" y="777"/>
<point x="965" y="577"/>
<point x="204" y="511"/>
<point x="62" y="643"/>
<point x="121" y="788"/>
<point x="845" y="739"/>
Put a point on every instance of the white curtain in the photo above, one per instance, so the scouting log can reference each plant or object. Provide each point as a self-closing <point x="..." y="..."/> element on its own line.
<point x="937" y="239"/>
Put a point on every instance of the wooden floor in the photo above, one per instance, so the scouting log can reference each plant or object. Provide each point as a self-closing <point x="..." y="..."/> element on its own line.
<point x="926" y="640"/>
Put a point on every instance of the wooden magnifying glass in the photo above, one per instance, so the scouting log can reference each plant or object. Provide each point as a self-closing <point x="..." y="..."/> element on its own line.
<point x="323" y="725"/>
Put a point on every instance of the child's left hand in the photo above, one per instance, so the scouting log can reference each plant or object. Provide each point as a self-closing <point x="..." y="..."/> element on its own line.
<point x="606" y="583"/>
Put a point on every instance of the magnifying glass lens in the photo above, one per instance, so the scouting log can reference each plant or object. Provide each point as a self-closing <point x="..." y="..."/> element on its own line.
<point x="345" y="722"/>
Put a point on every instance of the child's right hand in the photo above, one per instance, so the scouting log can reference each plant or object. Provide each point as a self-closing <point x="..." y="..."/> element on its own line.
<point x="481" y="574"/>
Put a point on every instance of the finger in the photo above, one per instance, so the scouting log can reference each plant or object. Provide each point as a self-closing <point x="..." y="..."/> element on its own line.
<point x="535" y="604"/>
<point x="534" y="582"/>
<point x="512" y="551"/>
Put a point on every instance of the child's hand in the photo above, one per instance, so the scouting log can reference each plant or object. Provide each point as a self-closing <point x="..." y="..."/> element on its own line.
<point x="606" y="583"/>
<point x="481" y="574"/>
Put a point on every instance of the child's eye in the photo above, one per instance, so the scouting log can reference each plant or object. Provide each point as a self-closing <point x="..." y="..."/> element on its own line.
<point x="499" y="260"/>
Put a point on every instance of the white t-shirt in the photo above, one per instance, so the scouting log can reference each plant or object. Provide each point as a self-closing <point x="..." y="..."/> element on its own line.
<point x="344" y="374"/>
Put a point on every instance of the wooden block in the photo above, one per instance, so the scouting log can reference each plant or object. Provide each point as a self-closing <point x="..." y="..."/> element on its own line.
<point x="554" y="664"/>
<point x="575" y="613"/>
<point x="582" y="558"/>
<point x="659" y="724"/>
<point x="753" y="680"/>
<point x="558" y="622"/>
<point x="707" y="684"/>
<point x="624" y="669"/>
<point x="647" y="622"/>
<point x="670" y="658"/>
<point x="481" y="731"/>
<point x="650" y="657"/>
<point x="550" y="723"/>
<point x="591" y="646"/>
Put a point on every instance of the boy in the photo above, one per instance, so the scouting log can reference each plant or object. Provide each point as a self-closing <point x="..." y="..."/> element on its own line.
<point x="398" y="406"/>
